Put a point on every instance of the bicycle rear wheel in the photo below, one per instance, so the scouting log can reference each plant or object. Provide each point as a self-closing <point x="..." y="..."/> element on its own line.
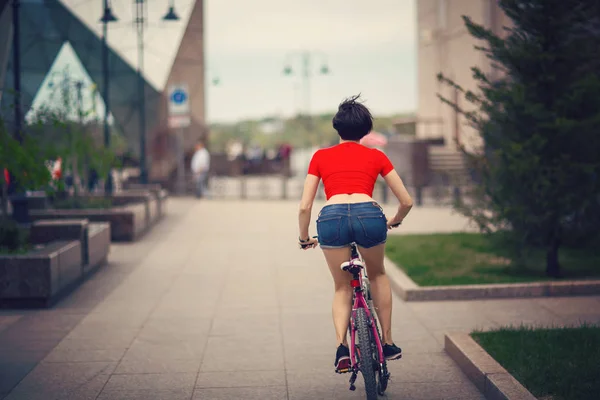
<point x="383" y="376"/>
<point x="366" y="355"/>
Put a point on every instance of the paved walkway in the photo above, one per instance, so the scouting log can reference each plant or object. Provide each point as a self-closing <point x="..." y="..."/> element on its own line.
<point x="218" y="303"/>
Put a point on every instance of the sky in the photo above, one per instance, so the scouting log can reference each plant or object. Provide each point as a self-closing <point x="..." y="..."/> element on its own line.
<point x="369" y="48"/>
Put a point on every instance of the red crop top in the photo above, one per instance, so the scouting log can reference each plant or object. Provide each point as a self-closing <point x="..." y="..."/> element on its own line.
<point x="349" y="168"/>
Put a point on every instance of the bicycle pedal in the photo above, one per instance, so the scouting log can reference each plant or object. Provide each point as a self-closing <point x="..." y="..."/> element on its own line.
<point x="342" y="371"/>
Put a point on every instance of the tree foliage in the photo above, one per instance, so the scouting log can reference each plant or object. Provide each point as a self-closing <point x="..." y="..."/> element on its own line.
<point x="540" y="162"/>
<point x="51" y="133"/>
<point x="298" y="131"/>
<point x="76" y="141"/>
<point x="23" y="162"/>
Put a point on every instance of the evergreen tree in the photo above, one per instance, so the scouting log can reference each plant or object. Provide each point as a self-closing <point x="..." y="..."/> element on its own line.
<point x="540" y="124"/>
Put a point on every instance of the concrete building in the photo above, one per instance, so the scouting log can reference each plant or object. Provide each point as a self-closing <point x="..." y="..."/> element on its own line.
<point x="444" y="45"/>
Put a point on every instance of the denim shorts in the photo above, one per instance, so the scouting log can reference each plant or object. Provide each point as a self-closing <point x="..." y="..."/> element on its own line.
<point x="338" y="225"/>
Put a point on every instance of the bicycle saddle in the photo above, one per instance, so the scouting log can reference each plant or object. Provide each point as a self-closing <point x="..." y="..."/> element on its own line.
<point x="347" y="266"/>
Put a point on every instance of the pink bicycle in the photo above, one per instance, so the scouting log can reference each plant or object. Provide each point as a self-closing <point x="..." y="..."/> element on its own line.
<point x="366" y="354"/>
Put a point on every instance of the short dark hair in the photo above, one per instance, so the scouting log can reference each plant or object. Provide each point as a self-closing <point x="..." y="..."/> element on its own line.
<point x="353" y="121"/>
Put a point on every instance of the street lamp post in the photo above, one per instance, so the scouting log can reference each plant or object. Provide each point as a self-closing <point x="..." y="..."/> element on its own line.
<point x="17" y="69"/>
<point x="18" y="199"/>
<point x="139" y="20"/>
<point x="106" y="18"/>
<point x="306" y="58"/>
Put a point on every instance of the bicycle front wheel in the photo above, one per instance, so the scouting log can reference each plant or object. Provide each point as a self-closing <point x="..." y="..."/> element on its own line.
<point x="366" y="355"/>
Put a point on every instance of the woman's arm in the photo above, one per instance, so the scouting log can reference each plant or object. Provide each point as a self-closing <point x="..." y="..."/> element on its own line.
<point x="311" y="184"/>
<point x="397" y="186"/>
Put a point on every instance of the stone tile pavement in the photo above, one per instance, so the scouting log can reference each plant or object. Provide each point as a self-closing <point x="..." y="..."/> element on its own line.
<point x="218" y="303"/>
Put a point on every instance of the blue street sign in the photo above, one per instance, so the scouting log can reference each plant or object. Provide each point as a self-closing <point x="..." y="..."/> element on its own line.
<point x="179" y="106"/>
<point x="178" y="96"/>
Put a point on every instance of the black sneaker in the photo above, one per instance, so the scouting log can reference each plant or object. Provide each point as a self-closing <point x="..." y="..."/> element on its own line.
<point x="342" y="359"/>
<point x="392" y="352"/>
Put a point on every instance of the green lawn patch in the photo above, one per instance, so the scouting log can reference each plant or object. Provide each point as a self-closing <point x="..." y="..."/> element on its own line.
<point x="556" y="364"/>
<point x="472" y="258"/>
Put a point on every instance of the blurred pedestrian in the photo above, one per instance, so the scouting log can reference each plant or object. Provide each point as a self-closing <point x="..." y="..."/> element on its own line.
<point x="200" y="167"/>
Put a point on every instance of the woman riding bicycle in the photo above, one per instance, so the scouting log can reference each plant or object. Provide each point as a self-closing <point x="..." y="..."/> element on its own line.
<point x="349" y="171"/>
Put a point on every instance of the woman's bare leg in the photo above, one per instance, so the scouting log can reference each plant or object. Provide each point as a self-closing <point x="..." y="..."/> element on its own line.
<point x="342" y="299"/>
<point x="380" y="288"/>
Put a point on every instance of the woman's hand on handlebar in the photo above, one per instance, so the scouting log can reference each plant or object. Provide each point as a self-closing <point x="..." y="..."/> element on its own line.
<point x="393" y="223"/>
<point x="310" y="243"/>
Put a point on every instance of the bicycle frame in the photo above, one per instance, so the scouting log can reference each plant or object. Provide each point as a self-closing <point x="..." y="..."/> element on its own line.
<point x="360" y="302"/>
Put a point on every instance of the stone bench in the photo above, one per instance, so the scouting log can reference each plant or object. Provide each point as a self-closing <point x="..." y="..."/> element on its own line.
<point x="40" y="277"/>
<point x="94" y="238"/>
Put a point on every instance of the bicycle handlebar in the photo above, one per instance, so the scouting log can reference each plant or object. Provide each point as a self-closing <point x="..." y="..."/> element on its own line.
<point x="304" y="246"/>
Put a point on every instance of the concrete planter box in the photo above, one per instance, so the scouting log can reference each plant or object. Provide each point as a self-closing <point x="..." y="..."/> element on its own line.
<point x="72" y="249"/>
<point x="98" y="238"/>
<point x="133" y="213"/>
<point x="153" y="209"/>
<point x="157" y="198"/>
<point x="159" y="193"/>
<point x="126" y="199"/>
<point x="155" y="201"/>
<point x="162" y="196"/>
<point x="127" y="223"/>
<point x="37" y="200"/>
<point x="38" y="278"/>
<point x="137" y="187"/>
<point x="94" y="238"/>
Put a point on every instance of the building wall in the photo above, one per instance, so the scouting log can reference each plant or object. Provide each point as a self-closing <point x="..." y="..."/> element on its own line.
<point x="187" y="68"/>
<point x="445" y="46"/>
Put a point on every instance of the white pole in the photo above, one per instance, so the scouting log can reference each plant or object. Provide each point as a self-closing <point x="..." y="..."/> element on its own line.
<point x="180" y="163"/>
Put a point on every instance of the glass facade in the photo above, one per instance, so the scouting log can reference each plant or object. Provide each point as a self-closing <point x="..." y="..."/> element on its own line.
<point x="45" y="26"/>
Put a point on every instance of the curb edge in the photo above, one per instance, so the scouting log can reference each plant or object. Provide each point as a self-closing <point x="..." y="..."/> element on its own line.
<point x="495" y="382"/>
